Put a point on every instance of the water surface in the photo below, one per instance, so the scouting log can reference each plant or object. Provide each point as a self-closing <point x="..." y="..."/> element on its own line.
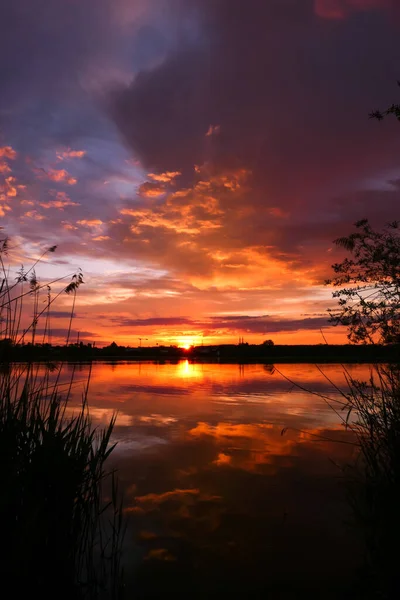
<point x="233" y="477"/>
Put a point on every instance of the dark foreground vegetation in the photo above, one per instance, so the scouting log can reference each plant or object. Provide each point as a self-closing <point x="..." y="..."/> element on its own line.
<point x="374" y="483"/>
<point x="61" y="520"/>
<point x="368" y="293"/>
<point x="59" y="538"/>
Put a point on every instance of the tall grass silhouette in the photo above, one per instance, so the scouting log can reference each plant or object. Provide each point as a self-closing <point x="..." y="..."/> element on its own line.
<point x="374" y="483"/>
<point x="370" y="410"/>
<point x="62" y="520"/>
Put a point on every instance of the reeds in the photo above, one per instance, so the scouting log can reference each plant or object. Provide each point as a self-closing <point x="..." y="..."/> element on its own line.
<point x="61" y="537"/>
<point x="370" y="410"/>
<point x="374" y="483"/>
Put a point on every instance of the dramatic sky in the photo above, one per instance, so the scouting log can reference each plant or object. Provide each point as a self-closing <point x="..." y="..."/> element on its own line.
<point x="195" y="158"/>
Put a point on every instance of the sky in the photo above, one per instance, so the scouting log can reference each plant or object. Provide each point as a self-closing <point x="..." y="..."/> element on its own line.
<point x="195" y="158"/>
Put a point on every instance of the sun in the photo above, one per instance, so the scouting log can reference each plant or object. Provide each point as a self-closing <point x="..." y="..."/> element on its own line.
<point x="186" y="343"/>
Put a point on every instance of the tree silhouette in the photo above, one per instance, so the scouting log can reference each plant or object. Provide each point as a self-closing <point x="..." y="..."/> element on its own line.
<point x="369" y="284"/>
<point x="394" y="109"/>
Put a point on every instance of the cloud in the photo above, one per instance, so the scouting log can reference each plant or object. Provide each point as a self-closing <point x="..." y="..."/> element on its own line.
<point x="4" y="168"/>
<point x="234" y="324"/>
<point x="62" y="200"/>
<point x="68" y="226"/>
<point x="4" y="208"/>
<point x="9" y="187"/>
<point x="151" y="190"/>
<point x="62" y="332"/>
<point x="61" y="175"/>
<point x="298" y="159"/>
<point x="57" y="175"/>
<point x="185" y="223"/>
<point x="90" y="222"/>
<point x="33" y="214"/>
<point x="65" y="154"/>
<point x="154" y="321"/>
<point x="166" y="177"/>
<point x="266" y="325"/>
<point x="59" y="204"/>
<point x="8" y="152"/>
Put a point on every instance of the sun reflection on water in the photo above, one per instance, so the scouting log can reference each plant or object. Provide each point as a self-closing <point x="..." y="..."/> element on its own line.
<point x="188" y="370"/>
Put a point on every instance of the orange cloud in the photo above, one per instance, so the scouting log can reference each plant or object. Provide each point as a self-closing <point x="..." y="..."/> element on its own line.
<point x="340" y="9"/>
<point x="181" y="223"/>
<point x="151" y="190"/>
<point x="190" y="212"/>
<point x="62" y="200"/>
<point x="90" y="222"/>
<point x="68" y="226"/>
<point x="8" y="152"/>
<point x="57" y="204"/>
<point x="9" y="188"/>
<point x="183" y="219"/>
<point x="58" y="175"/>
<point x="61" y="175"/>
<point x="164" y="177"/>
<point x="4" y="168"/>
<point x="71" y="154"/>
<point x="33" y="214"/>
<point x="3" y="209"/>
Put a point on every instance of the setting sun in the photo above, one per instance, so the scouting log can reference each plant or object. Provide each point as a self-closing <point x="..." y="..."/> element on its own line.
<point x="187" y="342"/>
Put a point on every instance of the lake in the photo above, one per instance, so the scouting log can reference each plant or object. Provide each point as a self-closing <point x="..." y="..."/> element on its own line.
<point x="232" y="477"/>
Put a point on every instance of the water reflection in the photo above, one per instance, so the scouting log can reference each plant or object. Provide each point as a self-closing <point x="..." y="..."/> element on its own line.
<point x="220" y="502"/>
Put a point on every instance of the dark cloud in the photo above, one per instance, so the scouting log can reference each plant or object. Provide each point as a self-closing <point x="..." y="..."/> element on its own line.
<point x="241" y="323"/>
<point x="289" y="92"/>
<point x="45" y="48"/>
<point x="60" y="332"/>
<point x="163" y="321"/>
<point x="288" y="95"/>
<point x="265" y="325"/>
<point x="239" y="318"/>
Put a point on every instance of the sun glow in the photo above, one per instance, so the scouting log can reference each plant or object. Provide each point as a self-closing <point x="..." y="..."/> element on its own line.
<point x="187" y="342"/>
